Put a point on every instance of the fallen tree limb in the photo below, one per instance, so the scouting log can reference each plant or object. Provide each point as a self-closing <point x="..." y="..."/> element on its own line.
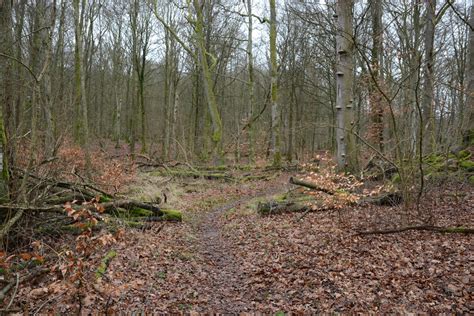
<point x="198" y="174"/>
<point x="274" y="207"/>
<point x="108" y="206"/>
<point x="85" y="188"/>
<point x="460" y="230"/>
<point x="310" y="185"/>
<point x="9" y="224"/>
<point x="28" y="277"/>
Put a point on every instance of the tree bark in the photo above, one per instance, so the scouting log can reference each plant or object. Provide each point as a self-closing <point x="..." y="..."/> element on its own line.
<point x="344" y="112"/>
<point x="6" y="96"/>
<point x="276" y="117"/>
<point x="468" y="126"/>
<point x="251" y="83"/>
<point x="375" y="95"/>
<point x="208" y="86"/>
<point x="428" y="96"/>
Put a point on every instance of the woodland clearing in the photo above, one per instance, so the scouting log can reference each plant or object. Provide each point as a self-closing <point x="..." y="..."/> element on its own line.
<point x="226" y="257"/>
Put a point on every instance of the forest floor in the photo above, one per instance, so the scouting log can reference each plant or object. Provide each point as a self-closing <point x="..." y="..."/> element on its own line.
<point x="226" y="258"/>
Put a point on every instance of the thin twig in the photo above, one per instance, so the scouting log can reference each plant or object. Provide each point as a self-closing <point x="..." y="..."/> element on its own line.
<point x="16" y="289"/>
<point x="46" y="302"/>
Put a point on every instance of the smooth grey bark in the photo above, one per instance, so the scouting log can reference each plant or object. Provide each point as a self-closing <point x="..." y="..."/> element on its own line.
<point x="344" y="111"/>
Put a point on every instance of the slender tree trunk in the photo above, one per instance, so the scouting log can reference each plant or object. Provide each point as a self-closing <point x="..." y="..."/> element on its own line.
<point x="46" y="35"/>
<point x="276" y="118"/>
<point x="58" y="73"/>
<point x="116" y="73"/>
<point x="142" y="103"/>
<point x="82" y="126"/>
<point x="468" y="124"/>
<point x="19" y="70"/>
<point x="166" y="115"/>
<point x="251" y="83"/>
<point x="428" y="96"/>
<point x="291" y="127"/>
<point x="375" y="95"/>
<point x="6" y="96"/>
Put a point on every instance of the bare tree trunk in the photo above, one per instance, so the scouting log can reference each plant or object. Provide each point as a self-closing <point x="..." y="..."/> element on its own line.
<point x="6" y="97"/>
<point x="116" y="74"/>
<point x="468" y="124"/>
<point x="18" y="109"/>
<point x="276" y="118"/>
<point x="251" y="83"/>
<point x="82" y="126"/>
<point x="46" y="35"/>
<point x="428" y="97"/>
<point x="166" y="115"/>
<point x="344" y="112"/>
<point x="375" y="94"/>
<point x="207" y="84"/>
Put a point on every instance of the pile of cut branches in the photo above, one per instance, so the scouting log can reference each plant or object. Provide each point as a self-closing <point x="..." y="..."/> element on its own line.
<point x="42" y="188"/>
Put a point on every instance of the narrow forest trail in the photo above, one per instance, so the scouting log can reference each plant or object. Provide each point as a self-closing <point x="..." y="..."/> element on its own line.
<point x="227" y="293"/>
<point x="225" y="258"/>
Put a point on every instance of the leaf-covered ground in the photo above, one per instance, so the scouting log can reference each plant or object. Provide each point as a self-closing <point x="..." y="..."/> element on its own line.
<point x="226" y="258"/>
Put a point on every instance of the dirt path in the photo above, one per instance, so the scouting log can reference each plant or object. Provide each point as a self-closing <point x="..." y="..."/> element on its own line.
<point x="227" y="293"/>
<point x="221" y="267"/>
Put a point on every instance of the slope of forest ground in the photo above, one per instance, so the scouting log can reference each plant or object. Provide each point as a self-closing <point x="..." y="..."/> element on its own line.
<point x="225" y="257"/>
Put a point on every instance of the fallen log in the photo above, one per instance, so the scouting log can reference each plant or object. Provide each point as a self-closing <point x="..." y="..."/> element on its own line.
<point x="460" y="230"/>
<point x="197" y="174"/>
<point x="107" y="206"/>
<point x="310" y="185"/>
<point x="385" y="199"/>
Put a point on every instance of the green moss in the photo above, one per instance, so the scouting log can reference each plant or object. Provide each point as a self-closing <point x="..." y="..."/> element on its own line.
<point x="280" y="197"/>
<point x="464" y="154"/>
<point x="134" y="224"/>
<point x="396" y="178"/>
<point x="467" y="164"/>
<point x="172" y="215"/>
<point x="471" y="180"/>
<point x="433" y="158"/>
<point x="105" y="263"/>
<point x="105" y="198"/>
<point x="246" y="167"/>
<point x="460" y="229"/>
<point x="139" y="212"/>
